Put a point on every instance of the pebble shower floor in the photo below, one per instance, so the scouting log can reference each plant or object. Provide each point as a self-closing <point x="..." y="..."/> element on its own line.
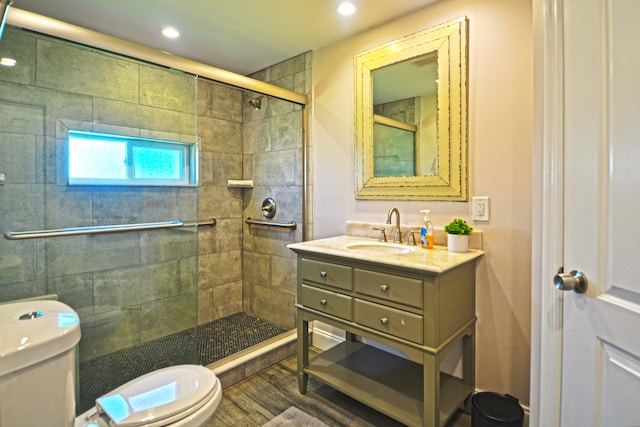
<point x="215" y="341"/>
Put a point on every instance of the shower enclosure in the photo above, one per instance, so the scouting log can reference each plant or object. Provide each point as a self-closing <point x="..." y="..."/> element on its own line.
<point x="244" y="265"/>
<point x="148" y="297"/>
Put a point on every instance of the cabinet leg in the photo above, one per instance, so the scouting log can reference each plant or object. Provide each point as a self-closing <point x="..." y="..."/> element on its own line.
<point x="431" y="387"/>
<point x="302" y="382"/>
<point x="468" y="405"/>
<point x="302" y="351"/>
<point x="469" y="367"/>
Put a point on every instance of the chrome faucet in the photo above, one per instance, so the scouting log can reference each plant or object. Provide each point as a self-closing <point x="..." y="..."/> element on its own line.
<point x="397" y="236"/>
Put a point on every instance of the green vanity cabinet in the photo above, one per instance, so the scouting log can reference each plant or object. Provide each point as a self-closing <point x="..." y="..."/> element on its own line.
<point x="421" y="313"/>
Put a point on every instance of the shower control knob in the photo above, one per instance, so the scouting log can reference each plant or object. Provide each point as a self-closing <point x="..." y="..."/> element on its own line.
<point x="575" y="281"/>
<point x="268" y="208"/>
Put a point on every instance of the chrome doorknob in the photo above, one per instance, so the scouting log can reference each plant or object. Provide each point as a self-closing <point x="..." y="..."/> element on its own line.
<point x="575" y="281"/>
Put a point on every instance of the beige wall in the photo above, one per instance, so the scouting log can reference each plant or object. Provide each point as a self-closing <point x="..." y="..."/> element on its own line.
<point x="500" y="146"/>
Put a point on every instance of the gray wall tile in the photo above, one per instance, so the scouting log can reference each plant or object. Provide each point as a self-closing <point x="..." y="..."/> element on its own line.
<point x="167" y="89"/>
<point x="108" y="332"/>
<point x="152" y="282"/>
<point x="219" y="101"/>
<point x="115" y="112"/>
<point x="166" y="316"/>
<point x="82" y="254"/>
<point x="220" y="136"/>
<point x="219" y="268"/>
<point x="21" y="48"/>
<point x="65" y="67"/>
<point x="227" y="299"/>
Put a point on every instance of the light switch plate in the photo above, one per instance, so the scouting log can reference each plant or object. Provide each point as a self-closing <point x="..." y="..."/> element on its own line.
<point x="480" y="207"/>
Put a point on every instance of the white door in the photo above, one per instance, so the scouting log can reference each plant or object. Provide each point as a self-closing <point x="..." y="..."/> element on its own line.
<point x="601" y="334"/>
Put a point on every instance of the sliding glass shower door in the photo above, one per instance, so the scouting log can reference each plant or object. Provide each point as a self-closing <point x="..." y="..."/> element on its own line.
<point x="135" y="289"/>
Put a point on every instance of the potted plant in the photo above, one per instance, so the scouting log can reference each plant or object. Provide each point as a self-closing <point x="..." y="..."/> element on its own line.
<point x="458" y="232"/>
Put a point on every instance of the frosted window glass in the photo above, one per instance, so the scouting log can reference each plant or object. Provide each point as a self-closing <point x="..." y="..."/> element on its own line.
<point x="158" y="163"/>
<point x="101" y="159"/>
<point x="90" y="158"/>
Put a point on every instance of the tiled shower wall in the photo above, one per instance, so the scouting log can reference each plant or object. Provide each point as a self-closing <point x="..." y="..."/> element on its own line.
<point x="74" y="87"/>
<point x="242" y="267"/>
<point x="127" y="287"/>
<point x="220" y="247"/>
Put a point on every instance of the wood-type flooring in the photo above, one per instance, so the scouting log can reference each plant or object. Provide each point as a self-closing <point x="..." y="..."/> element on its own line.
<point x="261" y="397"/>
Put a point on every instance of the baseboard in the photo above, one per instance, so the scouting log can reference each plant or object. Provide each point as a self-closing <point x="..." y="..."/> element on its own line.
<point x="324" y="340"/>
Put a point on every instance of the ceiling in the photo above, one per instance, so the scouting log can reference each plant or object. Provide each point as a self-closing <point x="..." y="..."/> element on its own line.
<point x="242" y="36"/>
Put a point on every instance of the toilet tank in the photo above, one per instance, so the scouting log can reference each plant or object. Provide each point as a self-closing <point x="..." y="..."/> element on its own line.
<point x="37" y="363"/>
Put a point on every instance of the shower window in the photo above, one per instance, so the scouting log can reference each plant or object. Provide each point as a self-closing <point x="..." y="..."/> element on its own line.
<point x="100" y="159"/>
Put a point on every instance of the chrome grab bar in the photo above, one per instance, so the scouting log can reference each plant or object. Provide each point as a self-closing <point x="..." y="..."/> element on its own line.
<point x="292" y="225"/>
<point x="211" y="221"/>
<point x="101" y="229"/>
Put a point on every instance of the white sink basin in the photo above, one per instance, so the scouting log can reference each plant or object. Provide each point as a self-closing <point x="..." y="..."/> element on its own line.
<point x="379" y="248"/>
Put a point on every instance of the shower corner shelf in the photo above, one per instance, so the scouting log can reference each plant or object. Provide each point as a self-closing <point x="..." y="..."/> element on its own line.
<point x="240" y="183"/>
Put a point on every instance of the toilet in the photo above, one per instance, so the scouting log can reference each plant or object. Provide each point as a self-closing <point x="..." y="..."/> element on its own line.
<point x="38" y="342"/>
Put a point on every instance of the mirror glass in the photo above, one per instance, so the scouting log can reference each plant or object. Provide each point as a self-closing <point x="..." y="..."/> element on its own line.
<point x="411" y="98"/>
<point x="405" y="99"/>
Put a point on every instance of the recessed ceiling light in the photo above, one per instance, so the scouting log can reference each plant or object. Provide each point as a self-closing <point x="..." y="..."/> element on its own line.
<point x="346" y="8"/>
<point x="8" y="62"/>
<point x="170" y="33"/>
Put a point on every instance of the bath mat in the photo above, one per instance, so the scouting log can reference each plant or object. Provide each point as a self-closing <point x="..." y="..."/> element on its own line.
<point x="294" y="417"/>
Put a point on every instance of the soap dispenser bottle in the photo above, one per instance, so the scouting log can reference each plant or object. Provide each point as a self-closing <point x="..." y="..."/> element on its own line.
<point x="426" y="231"/>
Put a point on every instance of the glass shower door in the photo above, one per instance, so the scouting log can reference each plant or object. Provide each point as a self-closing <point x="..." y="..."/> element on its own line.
<point x="135" y="291"/>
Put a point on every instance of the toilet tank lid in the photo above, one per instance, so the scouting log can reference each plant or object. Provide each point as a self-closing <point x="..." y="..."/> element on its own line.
<point x="33" y="331"/>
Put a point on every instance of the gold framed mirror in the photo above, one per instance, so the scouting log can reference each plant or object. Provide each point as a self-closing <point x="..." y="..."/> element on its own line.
<point x="411" y="116"/>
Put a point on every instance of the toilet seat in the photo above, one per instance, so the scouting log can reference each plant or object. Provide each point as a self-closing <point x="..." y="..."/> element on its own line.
<point x="159" y="398"/>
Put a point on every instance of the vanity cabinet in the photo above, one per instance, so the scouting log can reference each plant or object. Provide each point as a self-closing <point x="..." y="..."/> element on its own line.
<point x="418" y="312"/>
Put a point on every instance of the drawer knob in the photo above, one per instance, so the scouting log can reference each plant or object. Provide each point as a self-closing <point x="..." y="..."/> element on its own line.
<point x="384" y="321"/>
<point x="323" y="301"/>
<point x="384" y="288"/>
<point x="323" y="274"/>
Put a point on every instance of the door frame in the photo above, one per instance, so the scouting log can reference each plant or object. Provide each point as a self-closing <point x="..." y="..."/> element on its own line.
<point x="548" y="213"/>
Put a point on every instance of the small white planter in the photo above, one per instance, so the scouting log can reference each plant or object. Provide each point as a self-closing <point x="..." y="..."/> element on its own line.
<point x="457" y="243"/>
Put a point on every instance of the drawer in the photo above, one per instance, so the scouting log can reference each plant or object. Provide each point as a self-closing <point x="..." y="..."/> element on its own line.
<point x="395" y="322"/>
<point x="326" y="273"/>
<point x="403" y="290"/>
<point x="326" y="301"/>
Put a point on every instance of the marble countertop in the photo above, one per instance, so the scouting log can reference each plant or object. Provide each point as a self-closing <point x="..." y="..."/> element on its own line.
<point x="436" y="260"/>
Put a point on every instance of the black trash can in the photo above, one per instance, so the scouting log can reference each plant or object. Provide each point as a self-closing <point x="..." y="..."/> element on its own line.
<point x="492" y="409"/>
